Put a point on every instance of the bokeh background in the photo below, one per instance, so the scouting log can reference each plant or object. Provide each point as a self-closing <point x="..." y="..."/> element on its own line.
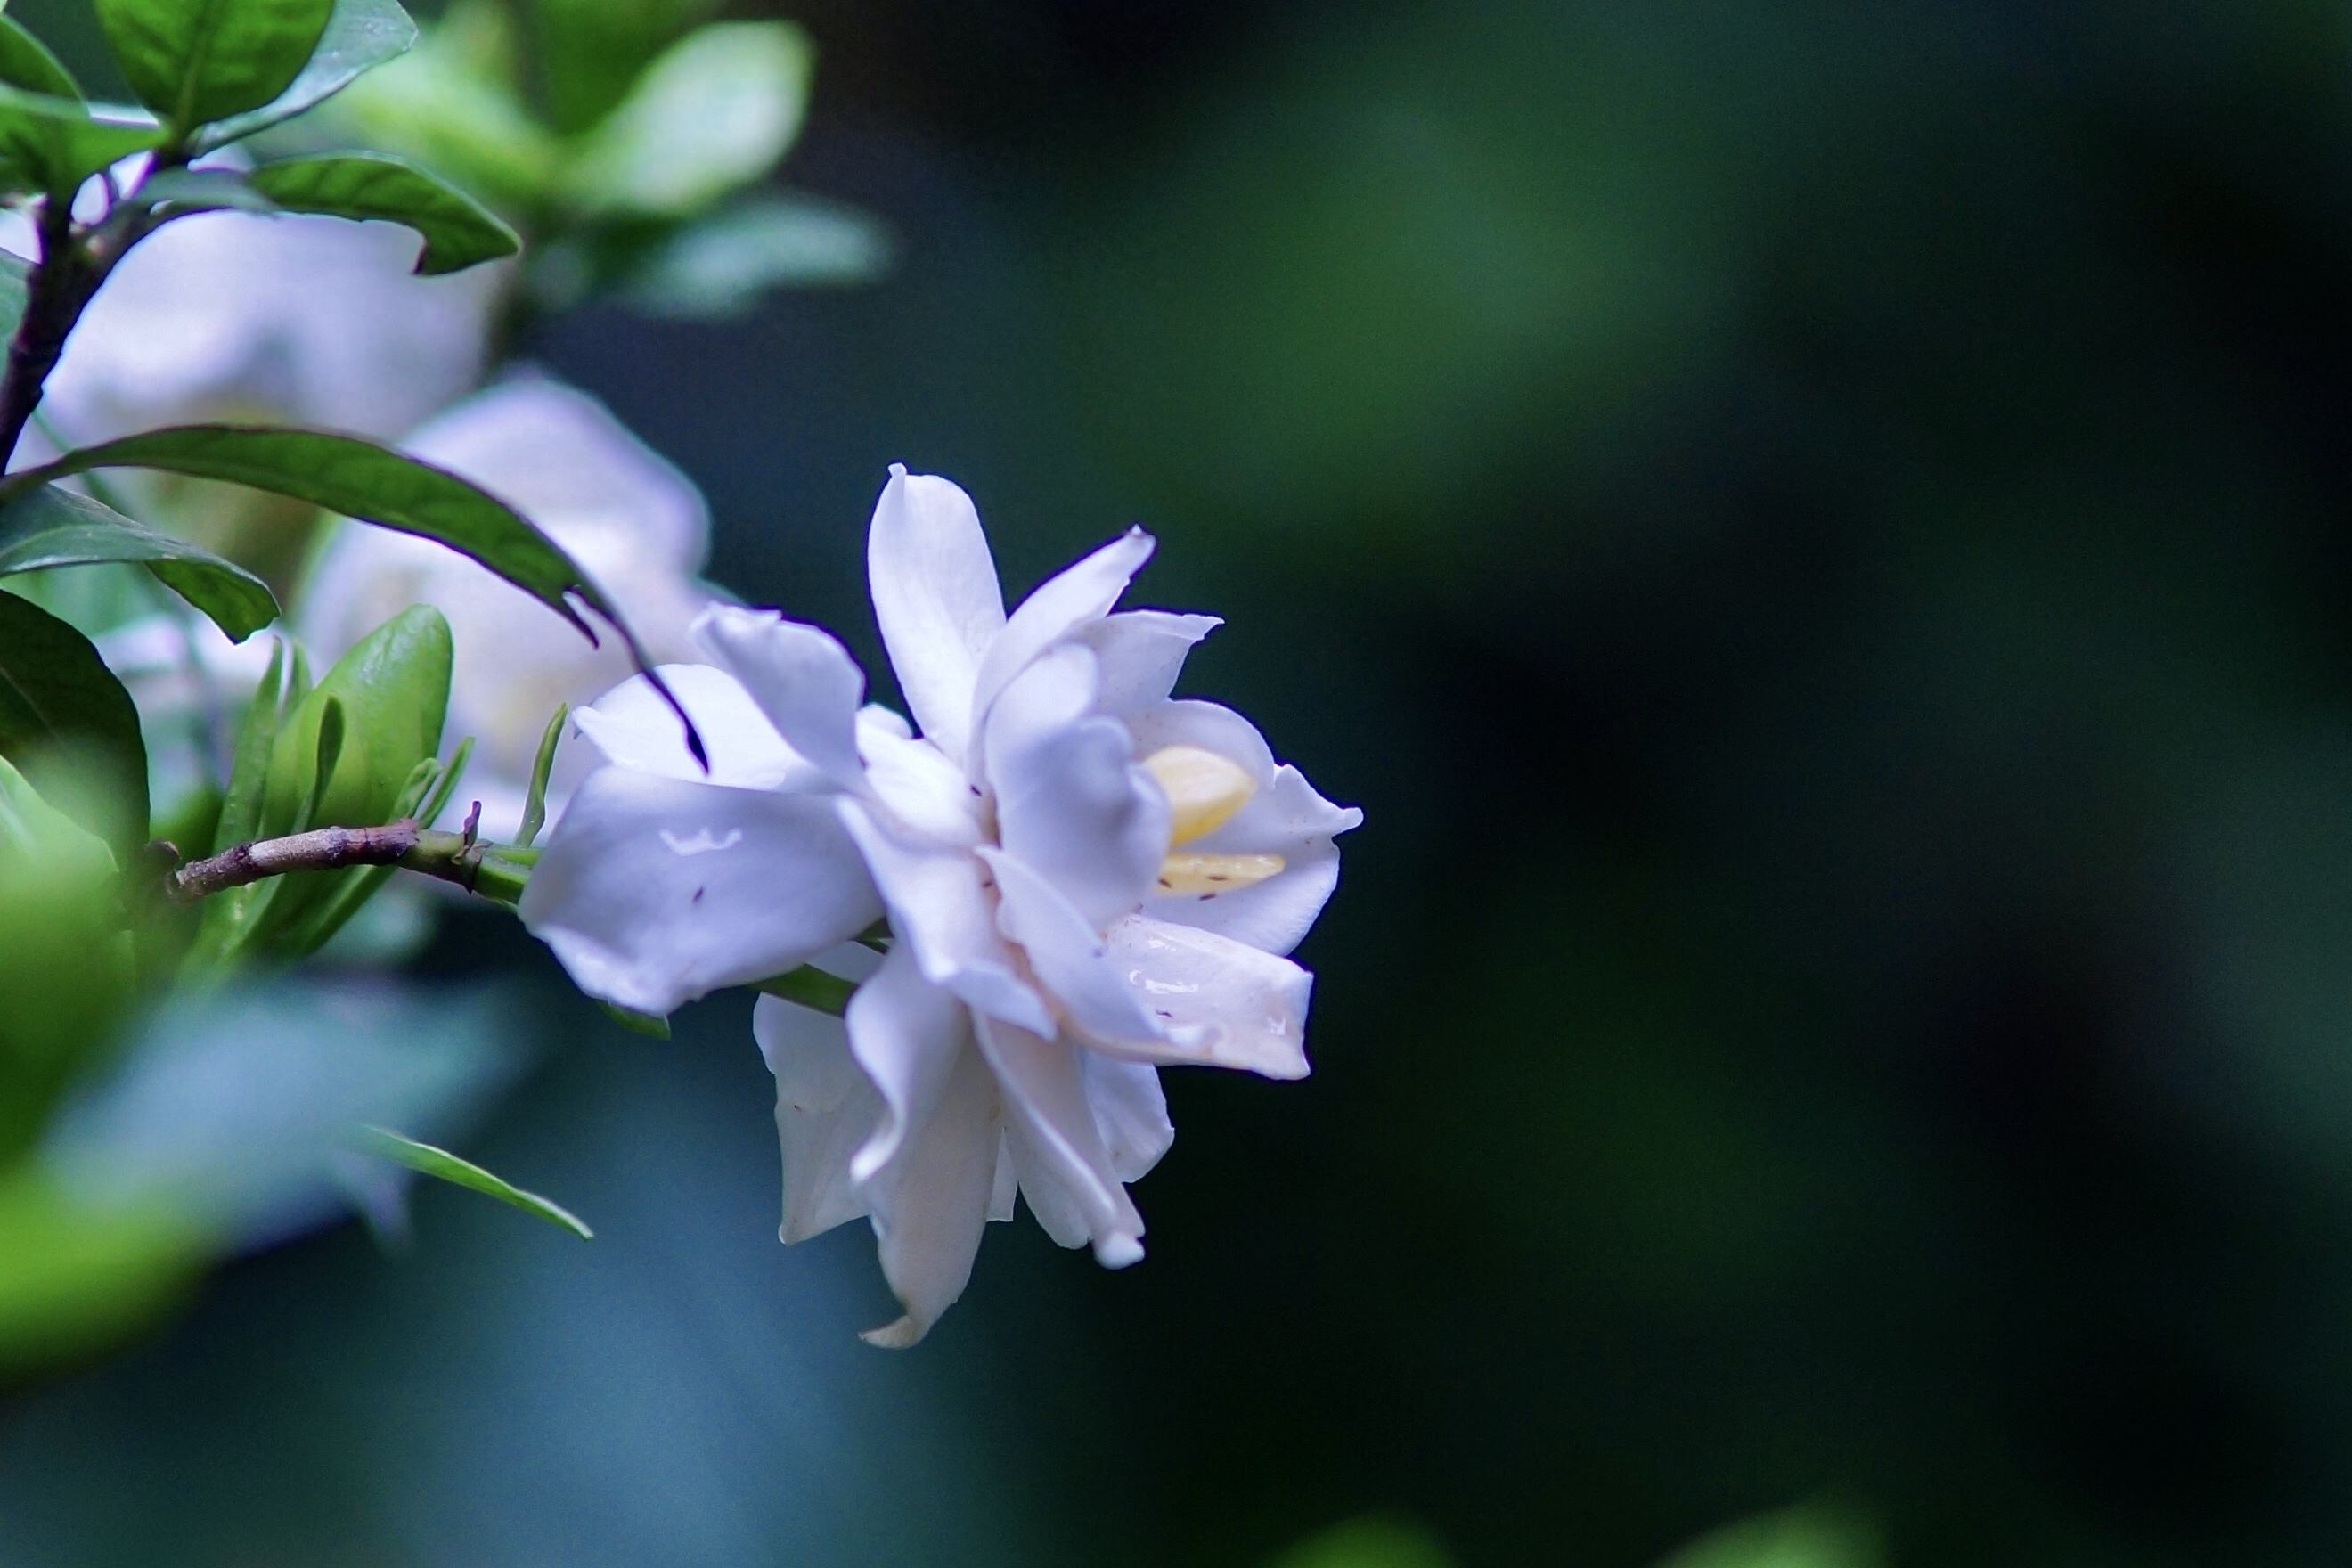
<point x="1818" y="535"/>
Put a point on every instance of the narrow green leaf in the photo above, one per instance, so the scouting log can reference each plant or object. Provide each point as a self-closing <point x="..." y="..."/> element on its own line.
<point x="67" y="724"/>
<point x="459" y="231"/>
<point x="713" y="115"/>
<point x="651" y="1025"/>
<point x="362" y="479"/>
<point x="534" y="804"/>
<point x="441" y="1164"/>
<point x="811" y="987"/>
<point x="53" y="144"/>
<point x="52" y="527"/>
<point x="230" y="915"/>
<point x="361" y="36"/>
<point x="194" y="61"/>
<point x="25" y="62"/>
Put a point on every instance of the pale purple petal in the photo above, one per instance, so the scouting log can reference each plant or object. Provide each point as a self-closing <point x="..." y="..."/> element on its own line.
<point x="1062" y="603"/>
<point x="825" y="1110"/>
<point x="1046" y="1098"/>
<point x="1141" y="653"/>
<point x="801" y="677"/>
<point x="936" y="597"/>
<point x="932" y="1202"/>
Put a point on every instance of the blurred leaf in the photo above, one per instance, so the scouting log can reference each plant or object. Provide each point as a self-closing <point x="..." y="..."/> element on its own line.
<point x="52" y="527"/>
<point x="653" y="1026"/>
<point x="811" y="987"/>
<point x="206" y="190"/>
<point x="721" y="265"/>
<point x="714" y="114"/>
<point x="361" y="36"/>
<point x="53" y="144"/>
<point x="229" y="918"/>
<point x="451" y="105"/>
<point x="357" y="479"/>
<point x="445" y="1166"/>
<point x="1367" y="1543"/>
<point x="589" y="51"/>
<point x="25" y="62"/>
<point x="240" y="1105"/>
<point x="194" y="61"/>
<point x="459" y="231"/>
<point x="1808" y="1537"/>
<point x="75" y="1278"/>
<point x="66" y="722"/>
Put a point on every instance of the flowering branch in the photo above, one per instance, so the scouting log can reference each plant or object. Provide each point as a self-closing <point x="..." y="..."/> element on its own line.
<point x="456" y="858"/>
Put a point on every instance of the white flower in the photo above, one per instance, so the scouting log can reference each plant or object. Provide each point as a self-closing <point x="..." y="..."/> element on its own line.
<point x="635" y="523"/>
<point x="304" y="320"/>
<point x="1085" y="880"/>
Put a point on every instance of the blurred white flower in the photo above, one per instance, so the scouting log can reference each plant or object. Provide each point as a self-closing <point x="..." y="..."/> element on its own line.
<point x="302" y="321"/>
<point x="632" y="521"/>
<point x="1085" y="880"/>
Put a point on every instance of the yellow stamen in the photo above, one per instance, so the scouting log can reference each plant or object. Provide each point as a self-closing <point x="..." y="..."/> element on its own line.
<point x="1204" y="788"/>
<point x="1205" y="876"/>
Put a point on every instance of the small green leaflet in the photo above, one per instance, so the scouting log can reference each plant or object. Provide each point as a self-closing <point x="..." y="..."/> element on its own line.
<point x="52" y="527"/>
<point x="69" y="727"/>
<point x="360" y="37"/>
<point x="53" y="144"/>
<point x="459" y="231"/>
<point x="362" y="479"/>
<point x="196" y="61"/>
<point x="25" y="62"/>
<point x="813" y="988"/>
<point x="445" y="1166"/>
<point x="711" y="115"/>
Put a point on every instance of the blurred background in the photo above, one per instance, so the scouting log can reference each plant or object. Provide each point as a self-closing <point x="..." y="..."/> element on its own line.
<point x="1816" y="534"/>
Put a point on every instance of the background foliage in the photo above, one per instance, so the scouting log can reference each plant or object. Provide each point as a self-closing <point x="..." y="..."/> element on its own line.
<point x="1817" y="534"/>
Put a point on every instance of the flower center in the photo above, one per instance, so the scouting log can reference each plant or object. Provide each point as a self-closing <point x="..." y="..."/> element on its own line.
<point x="1205" y="791"/>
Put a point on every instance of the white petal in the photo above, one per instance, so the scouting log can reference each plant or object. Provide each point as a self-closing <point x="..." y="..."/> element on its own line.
<point x="1056" y="1209"/>
<point x="825" y="1110"/>
<point x="940" y="908"/>
<point x="802" y="680"/>
<point x="932" y="1204"/>
<point x="654" y="891"/>
<point x="559" y="457"/>
<point x="1070" y="958"/>
<point x="1046" y="1099"/>
<point x="1222" y="1003"/>
<point x="634" y="728"/>
<point x="1287" y="817"/>
<point x="925" y="794"/>
<point x="937" y="598"/>
<point x="1141" y="653"/>
<point x="1071" y="801"/>
<point x="1008" y="1183"/>
<point x="905" y="1033"/>
<point x="1061" y="605"/>
<point x="1130" y="1111"/>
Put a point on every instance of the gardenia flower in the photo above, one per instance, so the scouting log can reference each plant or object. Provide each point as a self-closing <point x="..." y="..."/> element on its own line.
<point x="1084" y="880"/>
<point x="633" y="522"/>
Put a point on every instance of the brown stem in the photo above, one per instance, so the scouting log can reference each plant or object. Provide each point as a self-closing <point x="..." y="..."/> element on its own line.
<point x="454" y="857"/>
<point x="61" y="289"/>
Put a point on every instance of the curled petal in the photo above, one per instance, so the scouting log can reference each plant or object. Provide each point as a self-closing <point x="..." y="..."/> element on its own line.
<point x="634" y="728"/>
<point x="1221" y="1003"/>
<point x="1045" y="1102"/>
<point x="825" y="1110"/>
<point x="932" y="1201"/>
<point x="1130" y="1112"/>
<point x="1077" y="595"/>
<point x="1141" y="653"/>
<point x="654" y="891"/>
<point x="1070" y="957"/>
<point x="802" y="680"/>
<point x="941" y="909"/>
<point x="937" y="598"/>
<point x="907" y="1035"/>
<point x="1071" y="801"/>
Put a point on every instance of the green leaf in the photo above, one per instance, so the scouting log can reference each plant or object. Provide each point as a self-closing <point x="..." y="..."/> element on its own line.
<point x="229" y="917"/>
<point x="534" y="804"/>
<point x="53" y="144"/>
<point x="204" y="190"/>
<point x="459" y="231"/>
<point x="52" y="527"/>
<point x="451" y="105"/>
<point x="721" y="265"/>
<point x="194" y="61"/>
<point x="68" y="723"/>
<point x="591" y="51"/>
<point x="813" y="988"/>
<point x="653" y="1026"/>
<point x="711" y="115"/>
<point x="361" y="36"/>
<point x="362" y="479"/>
<point x="25" y="62"/>
<point x="394" y="691"/>
<point x="445" y="1166"/>
<point x="1807" y="1537"/>
<point x="1368" y="1542"/>
<point x="80" y="1277"/>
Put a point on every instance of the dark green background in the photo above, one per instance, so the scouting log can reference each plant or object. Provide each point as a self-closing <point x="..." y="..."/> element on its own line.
<point x="1817" y="534"/>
